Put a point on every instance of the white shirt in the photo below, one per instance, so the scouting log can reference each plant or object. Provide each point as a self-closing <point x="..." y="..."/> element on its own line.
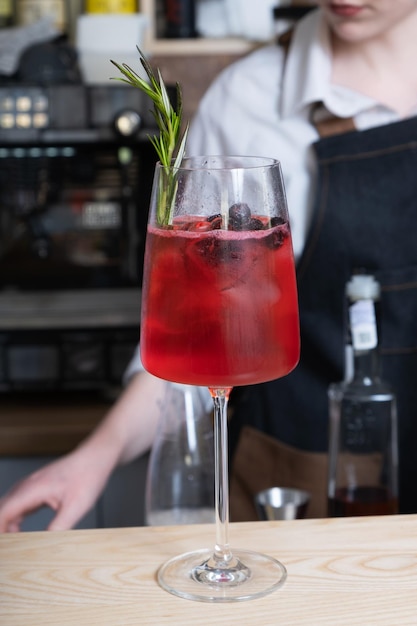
<point x="260" y="106"/>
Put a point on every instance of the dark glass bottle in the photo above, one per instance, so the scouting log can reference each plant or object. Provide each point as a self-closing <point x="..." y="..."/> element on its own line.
<point x="363" y="453"/>
<point x="180" y="19"/>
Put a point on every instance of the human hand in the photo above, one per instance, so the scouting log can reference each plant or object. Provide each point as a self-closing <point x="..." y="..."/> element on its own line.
<point x="70" y="486"/>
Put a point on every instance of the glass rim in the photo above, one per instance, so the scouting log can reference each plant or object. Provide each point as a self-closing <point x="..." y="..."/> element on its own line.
<point x="236" y="162"/>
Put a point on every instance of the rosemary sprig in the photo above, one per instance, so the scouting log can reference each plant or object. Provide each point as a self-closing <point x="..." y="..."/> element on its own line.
<point x="168" y="143"/>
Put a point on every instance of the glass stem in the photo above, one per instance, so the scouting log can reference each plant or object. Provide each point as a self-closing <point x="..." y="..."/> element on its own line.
<point x="222" y="552"/>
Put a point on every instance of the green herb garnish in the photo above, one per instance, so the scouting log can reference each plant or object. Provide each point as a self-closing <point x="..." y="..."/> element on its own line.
<point x="168" y="143"/>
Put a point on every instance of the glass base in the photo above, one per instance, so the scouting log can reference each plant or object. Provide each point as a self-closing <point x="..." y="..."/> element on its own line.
<point x="197" y="576"/>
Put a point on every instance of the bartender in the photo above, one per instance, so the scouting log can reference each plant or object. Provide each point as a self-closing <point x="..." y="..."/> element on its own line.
<point x="352" y="199"/>
<point x="337" y="104"/>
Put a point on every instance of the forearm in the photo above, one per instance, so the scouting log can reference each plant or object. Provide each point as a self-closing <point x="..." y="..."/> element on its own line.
<point x="128" y="429"/>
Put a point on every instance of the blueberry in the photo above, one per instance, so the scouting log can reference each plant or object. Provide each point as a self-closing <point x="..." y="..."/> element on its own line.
<point x="277" y="221"/>
<point x="239" y="216"/>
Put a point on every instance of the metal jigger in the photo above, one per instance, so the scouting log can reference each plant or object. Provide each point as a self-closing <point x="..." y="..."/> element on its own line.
<point x="280" y="503"/>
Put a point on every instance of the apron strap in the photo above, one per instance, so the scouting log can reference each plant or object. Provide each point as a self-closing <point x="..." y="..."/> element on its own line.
<point x="328" y="124"/>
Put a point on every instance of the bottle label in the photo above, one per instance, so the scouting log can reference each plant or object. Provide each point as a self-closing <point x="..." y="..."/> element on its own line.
<point x="363" y="325"/>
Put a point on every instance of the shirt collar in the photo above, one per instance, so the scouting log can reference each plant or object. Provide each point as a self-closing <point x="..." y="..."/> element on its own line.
<point x="307" y="74"/>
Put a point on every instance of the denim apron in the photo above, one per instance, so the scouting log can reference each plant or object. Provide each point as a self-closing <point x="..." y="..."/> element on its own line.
<point x="364" y="218"/>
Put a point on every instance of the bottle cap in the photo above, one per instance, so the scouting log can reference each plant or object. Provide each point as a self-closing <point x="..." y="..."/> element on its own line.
<point x="363" y="287"/>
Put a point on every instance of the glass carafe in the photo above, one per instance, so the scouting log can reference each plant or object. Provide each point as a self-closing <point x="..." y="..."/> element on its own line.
<point x="180" y="479"/>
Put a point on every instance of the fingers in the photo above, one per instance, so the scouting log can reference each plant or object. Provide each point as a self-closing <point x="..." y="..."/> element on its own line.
<point x="68" y="515"/>
<point x="23" y="500"/>
<point x="16" y="505"/>
<point x="10" y="526"/>
<point x="27" y="496"/>
<point x="69" y="486"/>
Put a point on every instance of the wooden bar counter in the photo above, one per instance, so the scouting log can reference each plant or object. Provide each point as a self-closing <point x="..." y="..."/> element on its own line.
<point x="350" y="571"/>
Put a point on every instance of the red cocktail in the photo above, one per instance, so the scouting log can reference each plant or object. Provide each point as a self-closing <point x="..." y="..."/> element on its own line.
<point x="219" y="305"/>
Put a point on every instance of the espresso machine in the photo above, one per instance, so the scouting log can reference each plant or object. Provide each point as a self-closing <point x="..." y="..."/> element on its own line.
<point x="76" y="169"/>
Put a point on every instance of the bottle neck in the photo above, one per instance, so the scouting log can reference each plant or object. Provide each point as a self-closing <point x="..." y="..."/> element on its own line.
<point x="363" y="331"/>
<point x="366" y="366"/>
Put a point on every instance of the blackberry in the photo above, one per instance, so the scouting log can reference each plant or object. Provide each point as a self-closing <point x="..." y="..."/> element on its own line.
<point x="255" y="224"/>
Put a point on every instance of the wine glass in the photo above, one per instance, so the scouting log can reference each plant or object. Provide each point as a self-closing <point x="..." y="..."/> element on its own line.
<point x="219" y="309"/>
